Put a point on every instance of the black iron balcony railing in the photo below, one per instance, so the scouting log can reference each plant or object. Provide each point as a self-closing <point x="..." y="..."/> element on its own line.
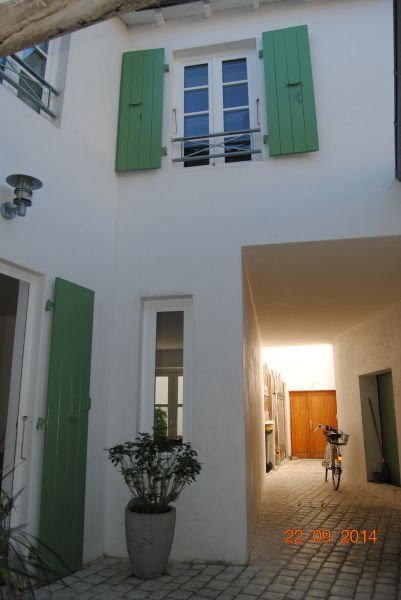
<point x="30" y="87"/>
<point x="231" y="145"/>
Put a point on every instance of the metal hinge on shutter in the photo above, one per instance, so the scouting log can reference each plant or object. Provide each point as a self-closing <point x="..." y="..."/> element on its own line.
<point x="41" y="424"/>
<point x="166" y="68"/>
<point x="87" y="404"/>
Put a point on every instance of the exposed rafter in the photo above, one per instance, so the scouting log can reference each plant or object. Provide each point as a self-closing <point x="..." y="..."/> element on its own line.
<point x="24" y="23"/>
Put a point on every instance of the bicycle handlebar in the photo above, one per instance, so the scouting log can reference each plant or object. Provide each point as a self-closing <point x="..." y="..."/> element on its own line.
<point x="328" y="429"/>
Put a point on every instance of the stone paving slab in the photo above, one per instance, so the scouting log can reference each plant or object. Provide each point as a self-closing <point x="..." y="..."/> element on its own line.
<point x="313" y="564"/>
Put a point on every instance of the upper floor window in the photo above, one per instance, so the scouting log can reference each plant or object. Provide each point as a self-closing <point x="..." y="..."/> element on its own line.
<point x="25" y="73"/>
<point x="214" y="96"/>
<point x="217" y="111"/>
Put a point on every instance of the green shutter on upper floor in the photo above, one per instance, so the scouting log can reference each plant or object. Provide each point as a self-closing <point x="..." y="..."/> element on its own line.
<point x="139" y="137"/>
<point x="291" y="114"/>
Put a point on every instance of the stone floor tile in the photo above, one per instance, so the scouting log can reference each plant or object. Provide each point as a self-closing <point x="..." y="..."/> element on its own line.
<point x="137" y="594"/>
<point x="295" y="595"/>
<point x="297" y="497"/>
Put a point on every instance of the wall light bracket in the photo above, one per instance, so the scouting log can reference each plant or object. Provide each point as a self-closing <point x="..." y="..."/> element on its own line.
<point x="23" y="189"/>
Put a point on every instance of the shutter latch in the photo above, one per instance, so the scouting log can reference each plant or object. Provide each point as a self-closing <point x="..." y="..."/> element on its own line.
<point x="260" y="53"/>
<point x="166" y="68"/>
<point x="73" y="416"/>
<point x="164" y="150"/>
<point x="49" y="305"/>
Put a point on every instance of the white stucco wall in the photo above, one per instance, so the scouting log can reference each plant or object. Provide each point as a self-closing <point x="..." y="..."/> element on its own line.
<point x="303" y="367"/>
<point x="254" y="409"/>
<point x="369" y="348"/>
<point x="180" y="231"/>
<point x="68" y="232"/>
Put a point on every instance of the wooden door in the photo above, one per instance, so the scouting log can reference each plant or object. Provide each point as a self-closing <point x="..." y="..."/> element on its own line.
<point x="66" y="427"/>
<point x="308" y="410"/>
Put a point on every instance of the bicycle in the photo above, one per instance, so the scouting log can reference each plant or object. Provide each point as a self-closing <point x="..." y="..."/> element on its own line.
<point x="332" y="453"/>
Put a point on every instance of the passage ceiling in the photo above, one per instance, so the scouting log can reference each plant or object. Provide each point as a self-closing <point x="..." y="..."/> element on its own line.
<point x="308" y="293"/>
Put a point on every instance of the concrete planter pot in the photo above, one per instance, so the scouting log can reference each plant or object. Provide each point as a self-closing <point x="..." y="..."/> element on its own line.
<point x="149" y="540"/>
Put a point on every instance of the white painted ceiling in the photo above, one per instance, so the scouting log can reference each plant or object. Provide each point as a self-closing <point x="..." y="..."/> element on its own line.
<point x="308" y="293"/>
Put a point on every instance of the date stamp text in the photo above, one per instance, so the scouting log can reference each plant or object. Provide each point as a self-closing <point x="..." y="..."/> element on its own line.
<point x="325" y="536"/>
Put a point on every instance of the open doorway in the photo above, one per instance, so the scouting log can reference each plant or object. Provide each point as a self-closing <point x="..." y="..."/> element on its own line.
<point x="379" y="428"/>
<point x="13" y="308"/>
<point x="310" y="396"/>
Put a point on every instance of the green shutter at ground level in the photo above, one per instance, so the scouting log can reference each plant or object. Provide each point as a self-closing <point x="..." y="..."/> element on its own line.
<point x="64" y="460"/>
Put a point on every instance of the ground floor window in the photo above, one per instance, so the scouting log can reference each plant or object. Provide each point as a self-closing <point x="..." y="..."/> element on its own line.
<point x="166" y="367"/>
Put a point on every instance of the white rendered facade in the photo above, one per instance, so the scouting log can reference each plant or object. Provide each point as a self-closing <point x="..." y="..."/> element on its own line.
<point x="178" y="232"/>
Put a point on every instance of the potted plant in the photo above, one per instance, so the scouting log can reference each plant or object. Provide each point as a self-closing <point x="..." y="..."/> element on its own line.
<point x="155" y="469"/>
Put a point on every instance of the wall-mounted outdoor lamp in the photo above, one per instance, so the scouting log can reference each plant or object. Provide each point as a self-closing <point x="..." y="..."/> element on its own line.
<point x="23" y="188"/>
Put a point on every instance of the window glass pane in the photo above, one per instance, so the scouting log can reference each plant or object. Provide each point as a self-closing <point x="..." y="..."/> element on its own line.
<point x="195" y="76"/>
<point x="161" y="390"/>
<point x="161" y="419"/>
<point x="235" y="95"/>
<point x="44" y="47"/>
<point x="234" y="70"/>
<point x="180" y="389"/>
<point x="197" y="101"/>
<point x="169" y="366"/>
<point x="2" y="66"/>
<point x="236" y="120"/>
<point x="35" y="60"/>
<point x="196" y="125"/>
<point x="179" y="421"/>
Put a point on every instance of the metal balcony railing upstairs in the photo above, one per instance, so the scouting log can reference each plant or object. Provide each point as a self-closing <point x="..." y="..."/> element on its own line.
<point x="30" y="86"/>
<point x="232" y="144"/>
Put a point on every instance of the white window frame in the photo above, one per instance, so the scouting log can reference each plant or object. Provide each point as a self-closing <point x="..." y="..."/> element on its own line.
<point x="215" y="86"/>
<point x="54" y="75"/>
<point x="150" y="308"/>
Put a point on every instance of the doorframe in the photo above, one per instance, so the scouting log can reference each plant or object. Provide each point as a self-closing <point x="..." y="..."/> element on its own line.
<point x="13" y="404"/>
<point x="31" y="401"/>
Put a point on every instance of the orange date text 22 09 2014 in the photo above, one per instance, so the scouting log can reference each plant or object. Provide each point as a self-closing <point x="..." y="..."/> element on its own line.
<point x="325" y="536"/>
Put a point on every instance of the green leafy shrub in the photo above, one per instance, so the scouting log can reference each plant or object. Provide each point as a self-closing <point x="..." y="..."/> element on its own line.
<point x="22" y="563"/>
<point x="155" y="469"/>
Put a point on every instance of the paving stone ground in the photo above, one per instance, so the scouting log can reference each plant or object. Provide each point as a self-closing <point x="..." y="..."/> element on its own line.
<point x="295" y="497"/>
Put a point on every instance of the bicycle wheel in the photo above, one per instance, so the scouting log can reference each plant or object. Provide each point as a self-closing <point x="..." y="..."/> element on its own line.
<point x="335" y="468"/>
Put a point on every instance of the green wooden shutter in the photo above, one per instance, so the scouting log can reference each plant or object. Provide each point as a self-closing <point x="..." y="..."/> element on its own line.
<point x="64" y="459"/>
<point x="291" y="114"/>
<point x="139" y="136"/>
